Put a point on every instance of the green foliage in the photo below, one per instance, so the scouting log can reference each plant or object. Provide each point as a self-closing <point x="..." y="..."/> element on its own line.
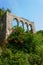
<point x="10" y="57"/>
<point x="2" y="11"/>
<point x="23" y="48"/>
<point x="38" y="41"/>
<point x="21" y="39"/>
<point x="40" y="32"/>
<point x="34" y="59"/>
<point x="8" y="10"/>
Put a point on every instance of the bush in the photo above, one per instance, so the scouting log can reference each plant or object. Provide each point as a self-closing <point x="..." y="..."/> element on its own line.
<point x="23" y="48"/>
<point x="13" y="57"/>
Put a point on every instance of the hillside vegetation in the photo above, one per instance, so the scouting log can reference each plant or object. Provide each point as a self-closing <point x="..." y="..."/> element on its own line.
<point x="23" y="48"/>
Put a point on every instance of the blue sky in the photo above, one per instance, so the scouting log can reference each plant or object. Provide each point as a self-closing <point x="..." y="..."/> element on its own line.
<point x="29" y="9"/>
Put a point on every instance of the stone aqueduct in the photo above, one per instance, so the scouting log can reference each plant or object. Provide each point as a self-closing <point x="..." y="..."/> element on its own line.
<point x="7" y="21"/>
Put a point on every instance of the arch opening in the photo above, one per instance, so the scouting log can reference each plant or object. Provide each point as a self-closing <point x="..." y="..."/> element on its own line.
<point x="15" y="23"/>
<point x="25" y="27"/>
<point x="30" y="27"/>
<point x="21" y="24"/>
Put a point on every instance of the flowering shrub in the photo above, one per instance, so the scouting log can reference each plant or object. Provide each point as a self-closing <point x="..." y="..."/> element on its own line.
<point x="12" y="30"/>
<point x="21" y="39"/>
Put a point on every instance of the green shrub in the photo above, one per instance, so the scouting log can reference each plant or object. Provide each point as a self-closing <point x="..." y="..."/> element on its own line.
<point x="23" y="48"/>
<point x="22" y="39"/>
<point x="13" y="57"/>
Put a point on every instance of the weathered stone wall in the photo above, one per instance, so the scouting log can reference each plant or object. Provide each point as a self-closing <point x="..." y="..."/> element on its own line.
<point x="2" y="28"/>
<point x="9" y="19"/>
<point x="6" y="24"/>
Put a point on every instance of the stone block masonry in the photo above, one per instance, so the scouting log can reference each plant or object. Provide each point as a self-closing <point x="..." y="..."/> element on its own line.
<point x="6" y="24"/>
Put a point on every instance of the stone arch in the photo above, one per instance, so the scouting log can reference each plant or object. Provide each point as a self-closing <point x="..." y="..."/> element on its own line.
<point x="10" y="18"/>
<point x="30" y="27"/>
<point x="25" y="26"/>
<point x="15" y="22"/>
<point x="21" y="24"/>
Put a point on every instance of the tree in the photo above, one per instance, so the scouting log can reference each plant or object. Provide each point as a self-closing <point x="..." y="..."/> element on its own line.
<point x="40" y="32"/>
<point x="2" y="11"/>
<point x="21" y="39"/>
<point x="8" y="10"/>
